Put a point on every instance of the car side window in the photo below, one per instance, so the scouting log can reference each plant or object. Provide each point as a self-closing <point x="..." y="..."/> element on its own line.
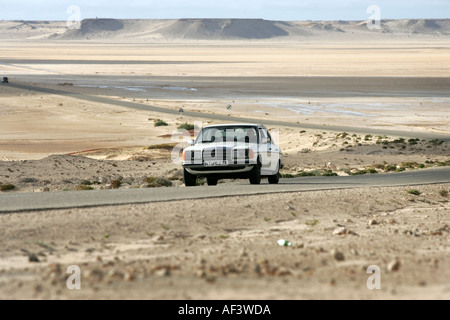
<point x="269" y="137"/>
<point x="262" y="135"/>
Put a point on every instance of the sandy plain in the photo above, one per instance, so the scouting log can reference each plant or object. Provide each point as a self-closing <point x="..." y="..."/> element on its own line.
<point x="54" y="139"/>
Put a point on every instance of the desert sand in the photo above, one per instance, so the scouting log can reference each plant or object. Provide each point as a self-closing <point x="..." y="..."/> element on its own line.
<point x="64" y="126"/>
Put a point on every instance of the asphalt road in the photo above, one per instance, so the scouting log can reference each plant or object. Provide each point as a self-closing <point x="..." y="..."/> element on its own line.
<point x="22" y="202"/>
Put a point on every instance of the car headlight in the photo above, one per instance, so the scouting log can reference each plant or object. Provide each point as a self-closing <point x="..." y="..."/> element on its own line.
<point x="244" y="154"/>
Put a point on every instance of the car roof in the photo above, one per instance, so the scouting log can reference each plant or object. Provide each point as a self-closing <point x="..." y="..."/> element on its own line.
<point x="235" y="125"/>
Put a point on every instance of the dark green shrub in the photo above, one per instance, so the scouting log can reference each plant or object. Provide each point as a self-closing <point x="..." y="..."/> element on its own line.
<point x="7" y="187"/>
<point x="414" y="192"/>
<point x="160" y="123"/>
<point x="186" y="126"/>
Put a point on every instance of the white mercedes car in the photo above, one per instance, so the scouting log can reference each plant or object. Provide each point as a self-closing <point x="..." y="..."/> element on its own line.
<point x="232" y="151"/>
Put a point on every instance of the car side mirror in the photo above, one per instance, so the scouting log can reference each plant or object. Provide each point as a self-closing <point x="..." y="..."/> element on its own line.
<point x="191" y="142"/>
<point x="265" y="140"/>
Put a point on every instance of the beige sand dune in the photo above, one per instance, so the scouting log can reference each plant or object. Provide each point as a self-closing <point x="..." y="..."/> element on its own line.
<point x="221" y="29"/>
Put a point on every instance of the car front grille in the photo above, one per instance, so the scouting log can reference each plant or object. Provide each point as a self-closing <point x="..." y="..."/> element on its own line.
<point x="233" y="156"/>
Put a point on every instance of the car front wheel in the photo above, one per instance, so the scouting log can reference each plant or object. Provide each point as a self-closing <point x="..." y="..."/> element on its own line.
<point x="255" y="174"/>
<point x="276" y="177"/>
<point x="190" y="180"/>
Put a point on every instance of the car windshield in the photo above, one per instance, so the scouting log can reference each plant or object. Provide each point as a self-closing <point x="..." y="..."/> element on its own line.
<point x="228" y="134"/>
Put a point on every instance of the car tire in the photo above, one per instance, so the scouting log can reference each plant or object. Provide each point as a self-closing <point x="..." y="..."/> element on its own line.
<point x="276" y="177"/>
<point x="255" y="174"/>
<point x="212" y="181"/>
<point x="190" y="180"/>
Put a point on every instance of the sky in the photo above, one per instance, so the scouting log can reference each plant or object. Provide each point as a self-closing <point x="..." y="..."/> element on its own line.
<point x="263" y="9"/>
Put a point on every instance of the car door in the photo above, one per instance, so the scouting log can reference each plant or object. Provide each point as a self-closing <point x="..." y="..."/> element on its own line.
<point x="269" y="153"/>
<point x="264" y="146"/>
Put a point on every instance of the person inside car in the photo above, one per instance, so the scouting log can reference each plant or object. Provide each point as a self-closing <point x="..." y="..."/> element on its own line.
<point x="251" y="134"/>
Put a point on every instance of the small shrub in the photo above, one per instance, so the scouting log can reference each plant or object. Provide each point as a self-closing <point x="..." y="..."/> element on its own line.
<point x="442" y="164"/>
<point x="312" y="222"/>
<point x="154" y="182"/>
<point x="164" y="146"/>
<point x="287" y="176"/>
<point x="436" y="142"/>
<point x="399" y="140"/>
<point x="83" y="187"/>
<point x="389" y="168"/>
<point x="410" y="165"/>
<point x="365" y="171"/>
<point x="29" y="180"/>
<point x="160" y="123"/>
<point x="414" y="192"/>
<point x="186" y="126"/>
<point x="306" y="174"/>
<point x="347" y="171"/>
<point x="443" y="193"/>
<point x="115" y="184"/>
<point x="359" y="172"/>
<point x="7" y="187"/>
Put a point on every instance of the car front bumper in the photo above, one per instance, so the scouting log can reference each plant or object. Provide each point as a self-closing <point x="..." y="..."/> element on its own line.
<point x="201" y="170"/>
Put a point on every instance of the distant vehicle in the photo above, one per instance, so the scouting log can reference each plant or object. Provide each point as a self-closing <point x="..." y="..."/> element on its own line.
<point x="5" y="80"/>
<point x="232" y="151"/>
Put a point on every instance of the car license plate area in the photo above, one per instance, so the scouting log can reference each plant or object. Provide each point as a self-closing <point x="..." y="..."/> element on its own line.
<point x="216" y="163"/>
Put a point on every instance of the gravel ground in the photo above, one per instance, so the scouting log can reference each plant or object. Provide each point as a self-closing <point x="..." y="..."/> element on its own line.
<point x="226" y="248"/>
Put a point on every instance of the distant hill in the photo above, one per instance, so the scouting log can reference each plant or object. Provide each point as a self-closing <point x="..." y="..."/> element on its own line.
<point x="193" y="29"/>
<point x="218" y="29"/>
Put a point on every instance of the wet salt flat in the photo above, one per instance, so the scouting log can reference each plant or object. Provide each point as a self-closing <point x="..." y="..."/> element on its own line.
<point x="361" y="109"/>
<point x="136" y="88"/>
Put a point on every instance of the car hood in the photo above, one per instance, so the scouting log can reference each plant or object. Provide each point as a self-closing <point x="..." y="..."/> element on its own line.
<point x="219" y="145"/>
